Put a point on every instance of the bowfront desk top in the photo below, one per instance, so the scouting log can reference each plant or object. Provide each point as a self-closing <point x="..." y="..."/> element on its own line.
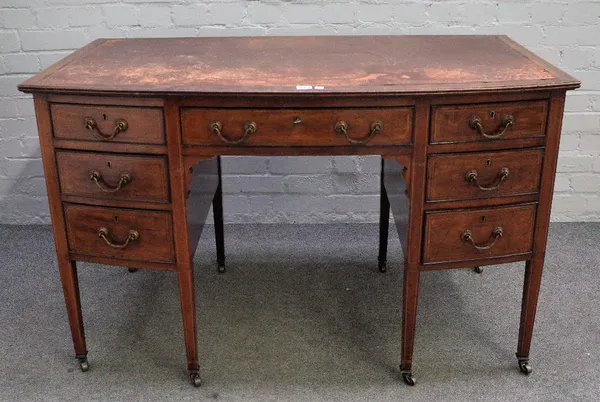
<point x="468" y="127"/>
<point x="332" y="64"/>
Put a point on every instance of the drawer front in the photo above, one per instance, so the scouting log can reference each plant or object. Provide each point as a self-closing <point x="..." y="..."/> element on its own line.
<point x="452" y="177"/>
<point x="296" y="127"/>
<point x="478" y="233"/>
<point x="138" y="125"/>
<point x="113" y="176"/>
<point x="132" y="234"/>
<point x="481" y="122"/>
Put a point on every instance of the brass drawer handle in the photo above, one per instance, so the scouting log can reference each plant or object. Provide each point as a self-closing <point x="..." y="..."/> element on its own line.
<point x="97" y="178"/>
<point x="342" y="128"/>
<point x="467" y="237"/>
<point x="471" y="177"/>
<point x="507" y="121"/>
<point x="250" y="127"/>
<point x="120" y="126"/>
<point x="132" y="236"/>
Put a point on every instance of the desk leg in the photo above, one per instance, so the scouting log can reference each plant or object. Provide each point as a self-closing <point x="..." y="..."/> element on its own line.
<point x="188" y="312"/>
<point x="384" y="223"/>
<point x="531" y="287"/>
<point x="535" y="266"/>
<point x="413" y="187"/>
<point x="409" y="320"/>
<point x="218" y="219"/>
<point x="70" y="284"/>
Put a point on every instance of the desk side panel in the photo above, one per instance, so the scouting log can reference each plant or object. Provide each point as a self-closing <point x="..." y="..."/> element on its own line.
<point x="202" y="178"/>
<point x="397" y="192"/>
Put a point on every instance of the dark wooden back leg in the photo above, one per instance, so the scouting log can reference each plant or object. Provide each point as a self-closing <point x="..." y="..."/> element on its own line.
<point x="384" y="224"/>
<point x="218" y="218"/>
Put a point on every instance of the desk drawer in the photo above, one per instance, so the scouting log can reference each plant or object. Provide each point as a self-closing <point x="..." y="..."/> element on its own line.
<point x="488" y="121"/>
<point x="113" y="176"/>
<point x="132" y="234"/>
<point x="138" y="125"/>
<point x="296" y="127"/>
<point x="478" y="233"/>
<point x="452" y="177"/>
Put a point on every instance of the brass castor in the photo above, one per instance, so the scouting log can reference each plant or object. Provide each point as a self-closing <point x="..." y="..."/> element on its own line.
<point x="83" y="364"/>
<point x="382" y="266"/>
<point x="409" y="379"/>
<point x="525" y="367"/>
<point x="478" y="269"/>
<point x="132" y="270"/>
<point x="196" y="380"/>
<point x="221" y="267"/>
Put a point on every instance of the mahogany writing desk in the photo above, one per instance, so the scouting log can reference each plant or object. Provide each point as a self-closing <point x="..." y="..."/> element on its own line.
<point x="131" y="132"/>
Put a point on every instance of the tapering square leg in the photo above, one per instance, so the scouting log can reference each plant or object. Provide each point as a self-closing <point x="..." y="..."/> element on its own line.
<point x="188" y="312"/>
<point x="531" y="288"/>
<point x="70" y="284"/>
<point x="409" y="320"/>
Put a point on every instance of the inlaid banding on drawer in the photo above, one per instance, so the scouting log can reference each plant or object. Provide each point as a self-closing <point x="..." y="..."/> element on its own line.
<point x="488" y="121"/>
<point x="478" y="233"/>
<point x="113" y="176"/>
<point x="125" y="124"/>
<point x="464" y="176"/>
<point x="297" y="127"/>
<point x="120" y="233"/>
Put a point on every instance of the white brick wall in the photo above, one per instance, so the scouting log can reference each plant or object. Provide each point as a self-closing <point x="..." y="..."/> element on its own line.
<point x="37" y="33"/>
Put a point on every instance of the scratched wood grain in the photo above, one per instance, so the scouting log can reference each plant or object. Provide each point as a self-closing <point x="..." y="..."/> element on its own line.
<point x="335" y="64"/>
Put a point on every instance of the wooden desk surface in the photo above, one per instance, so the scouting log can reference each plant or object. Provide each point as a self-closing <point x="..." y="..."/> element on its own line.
<point x="325" y="64"/>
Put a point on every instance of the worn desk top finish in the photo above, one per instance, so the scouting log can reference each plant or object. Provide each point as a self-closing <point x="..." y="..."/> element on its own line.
<point x="330" y="64"/>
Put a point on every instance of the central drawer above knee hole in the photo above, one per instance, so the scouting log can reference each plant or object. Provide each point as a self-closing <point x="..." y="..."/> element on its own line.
<point x="385" y="126"/>
<point x="113" y="176"/>
<point x="464" y="176"/>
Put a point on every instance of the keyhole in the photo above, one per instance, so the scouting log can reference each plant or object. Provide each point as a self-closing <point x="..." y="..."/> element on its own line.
<point x="488" y="163"/>
<point x="103" y="116"/>
<point x="116" y="218"/>
<point x="492" y="114"/>
<point x="108" y="164"/>
<point x="483" y="218"/>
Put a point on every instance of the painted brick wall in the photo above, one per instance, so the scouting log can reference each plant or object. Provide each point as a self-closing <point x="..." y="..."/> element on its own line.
<point x="37" y="33"/>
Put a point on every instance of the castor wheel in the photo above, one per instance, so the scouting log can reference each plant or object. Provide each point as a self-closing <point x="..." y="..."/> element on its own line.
<point x="196" y="380"/>
<point x="132" y="270"/>
<point x="409" y="379"/>
<point x="525" y="367"/>
<point x="221" y="268"/>
<point x="83" y="364"/>
<point x="478" y="269"/>
<point x="382" y="266"/>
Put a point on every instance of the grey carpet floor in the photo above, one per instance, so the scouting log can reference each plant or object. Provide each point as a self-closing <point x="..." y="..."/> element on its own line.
<point x="301" y="315"/>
